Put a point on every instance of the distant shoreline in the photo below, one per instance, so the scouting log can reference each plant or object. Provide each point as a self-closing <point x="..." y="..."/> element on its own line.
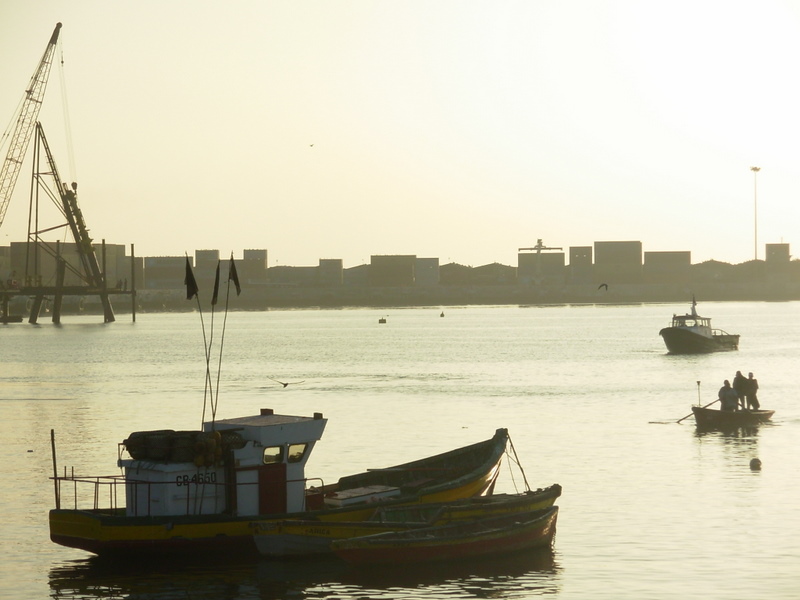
<point x="283" y="297"/>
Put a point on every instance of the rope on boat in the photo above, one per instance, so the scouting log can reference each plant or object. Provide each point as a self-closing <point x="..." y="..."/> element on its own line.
<point x="515" y="458"/>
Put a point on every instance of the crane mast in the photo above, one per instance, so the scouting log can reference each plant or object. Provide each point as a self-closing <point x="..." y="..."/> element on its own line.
<point x="91" y="272"/>
<point x="28" y="115"/>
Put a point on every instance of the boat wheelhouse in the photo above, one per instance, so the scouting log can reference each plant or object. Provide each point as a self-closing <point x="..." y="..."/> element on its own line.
<point x="171" y="473"/>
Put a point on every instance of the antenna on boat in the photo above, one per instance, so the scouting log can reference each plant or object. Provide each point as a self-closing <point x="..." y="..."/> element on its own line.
<point x="192" y="292"/>
<point x="55" y="467"/>
<point x="214" y="297"/>
<point x="232" y="276"/>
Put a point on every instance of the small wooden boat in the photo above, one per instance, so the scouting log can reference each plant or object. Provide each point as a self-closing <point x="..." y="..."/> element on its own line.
<point x="479" y="537"/>
<point x="693" y="334"/>
<point x="712" y="418"/>
<point x="297" y="537"/>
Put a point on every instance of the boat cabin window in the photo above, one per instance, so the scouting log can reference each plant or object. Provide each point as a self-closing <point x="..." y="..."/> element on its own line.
<point x="297" y="452"/>
<point x="273" y="454"/>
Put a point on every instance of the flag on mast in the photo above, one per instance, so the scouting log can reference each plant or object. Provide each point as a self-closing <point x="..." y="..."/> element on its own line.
<point x="216" y="287"/>
<point x="234" y="276"/>
<point x="191" y="284"/>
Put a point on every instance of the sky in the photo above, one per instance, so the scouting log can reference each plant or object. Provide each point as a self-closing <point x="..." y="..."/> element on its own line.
<point x="456" y="129"/>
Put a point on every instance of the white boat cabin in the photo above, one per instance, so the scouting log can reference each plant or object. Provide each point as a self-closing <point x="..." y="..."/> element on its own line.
<point x="694" y="322"/>
<point x="246" y="466"/>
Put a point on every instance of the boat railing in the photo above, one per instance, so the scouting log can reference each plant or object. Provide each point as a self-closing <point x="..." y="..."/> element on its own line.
<point x="106" y="494"/>
<point x="89" y="491"/>
<point x="720" y="332"/>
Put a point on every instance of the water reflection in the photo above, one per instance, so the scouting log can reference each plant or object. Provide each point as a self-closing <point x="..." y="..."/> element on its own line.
<point x="513" y="576"/>
<point x="738" y="445"/>
<point x="742" y="433"/>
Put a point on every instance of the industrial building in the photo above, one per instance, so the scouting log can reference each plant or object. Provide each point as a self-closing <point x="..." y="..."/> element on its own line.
<point x="541" y="271"/>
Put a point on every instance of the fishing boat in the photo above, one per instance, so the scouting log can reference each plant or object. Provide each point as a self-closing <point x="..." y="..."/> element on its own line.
<point x="712" y="418"/>
<point x="297" y="537"/>
<point x="476" y="538"/>
<point x="693" y="334"/>
<point x="215" y="489"/>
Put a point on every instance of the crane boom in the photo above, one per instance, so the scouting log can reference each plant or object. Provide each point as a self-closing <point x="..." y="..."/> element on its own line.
<point x="29" y="113"/>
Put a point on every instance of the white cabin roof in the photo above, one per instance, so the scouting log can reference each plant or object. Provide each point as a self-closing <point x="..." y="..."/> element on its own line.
<point x="267" y="428"/>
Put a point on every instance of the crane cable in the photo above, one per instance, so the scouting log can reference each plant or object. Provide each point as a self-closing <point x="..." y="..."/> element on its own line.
<point x="65" y="110"/>
<point x="72" y="171"/>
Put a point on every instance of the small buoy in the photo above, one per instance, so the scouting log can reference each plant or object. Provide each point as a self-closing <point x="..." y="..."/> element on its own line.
<point x="755" y="464"/>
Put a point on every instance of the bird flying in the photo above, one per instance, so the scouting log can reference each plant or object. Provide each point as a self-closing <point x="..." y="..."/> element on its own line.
<point x="284" y="384"/>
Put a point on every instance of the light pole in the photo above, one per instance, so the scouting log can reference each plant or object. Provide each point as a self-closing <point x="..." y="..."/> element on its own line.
<point x="755" y="171"/>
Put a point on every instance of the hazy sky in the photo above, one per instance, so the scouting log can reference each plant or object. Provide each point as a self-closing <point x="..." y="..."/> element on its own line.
<point x="461" y="130"/>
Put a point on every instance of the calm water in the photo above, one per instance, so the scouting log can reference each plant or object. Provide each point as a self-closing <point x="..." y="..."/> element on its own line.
<point x="651" y="508"/>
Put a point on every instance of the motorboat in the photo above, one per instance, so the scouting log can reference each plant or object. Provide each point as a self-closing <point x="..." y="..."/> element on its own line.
<point x="692" y="334"/>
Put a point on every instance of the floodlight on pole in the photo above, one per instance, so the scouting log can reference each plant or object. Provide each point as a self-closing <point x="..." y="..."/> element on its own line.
<point x="755" y="171"/>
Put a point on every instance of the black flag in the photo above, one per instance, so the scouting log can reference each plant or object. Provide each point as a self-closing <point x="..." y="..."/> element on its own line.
<point x="191" y="284"/>
<point x="234" y="276"/>
<point x="216" y="287"/>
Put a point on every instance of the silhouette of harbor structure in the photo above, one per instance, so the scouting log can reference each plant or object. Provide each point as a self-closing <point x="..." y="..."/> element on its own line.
<point x="605" y="272"/>
<point x="83" y="276"/>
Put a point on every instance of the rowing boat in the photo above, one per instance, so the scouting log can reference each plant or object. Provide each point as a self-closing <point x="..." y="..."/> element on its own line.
<point x="712" y="418"/>
<point x="481" y="537"/>
<point x="303" y="537"/>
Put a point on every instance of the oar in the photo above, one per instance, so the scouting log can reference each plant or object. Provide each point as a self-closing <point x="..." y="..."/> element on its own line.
<point x="691" y="413"/>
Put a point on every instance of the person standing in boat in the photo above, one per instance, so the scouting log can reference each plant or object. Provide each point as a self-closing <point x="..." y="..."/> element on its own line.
<point x="740" y="385"/>
<point x="752" y="393"/>
<point x="729" y="401"/>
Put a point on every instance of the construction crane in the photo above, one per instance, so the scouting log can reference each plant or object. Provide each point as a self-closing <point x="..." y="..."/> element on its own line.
<point x="68" y="206"/>
<point x="539" y="247"/>
<point x="28" y="115"/>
